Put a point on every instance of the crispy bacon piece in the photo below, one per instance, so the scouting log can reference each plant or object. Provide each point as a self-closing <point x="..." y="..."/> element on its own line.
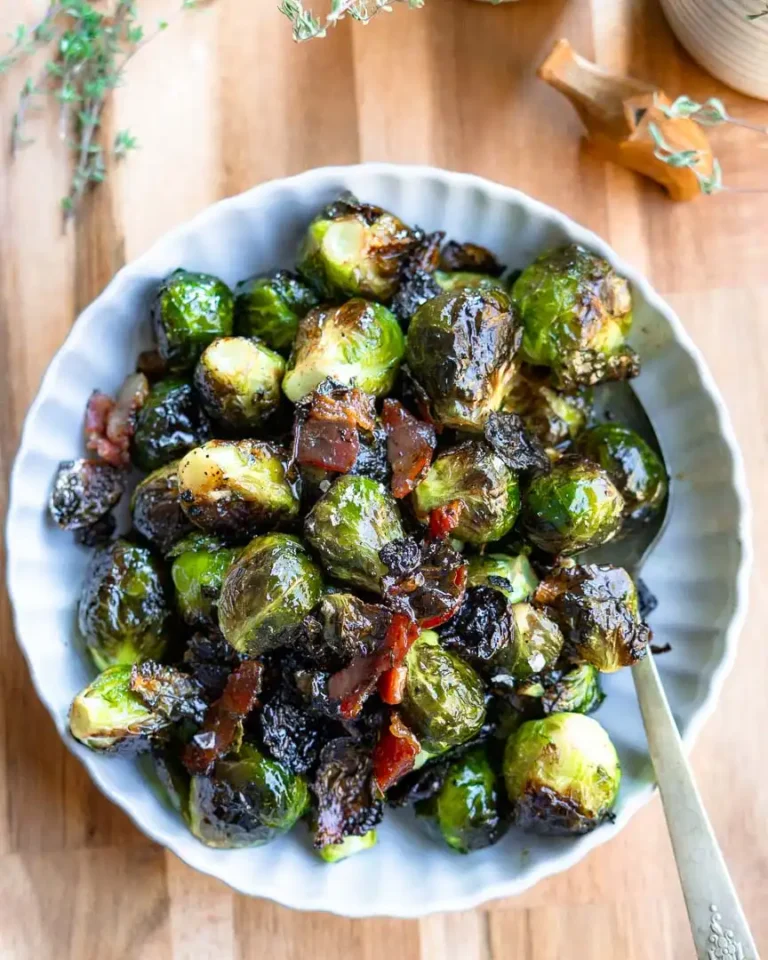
<point x="327" y="424"/>
<point x="410" y="446"/>
<point x="391" y="685"/>
<point x="394" y="754"/>
<point x="443" y="520"/>
<point x="223" y="719"/>
<point x="331" y="446"/>
<point x="109" y="424"/>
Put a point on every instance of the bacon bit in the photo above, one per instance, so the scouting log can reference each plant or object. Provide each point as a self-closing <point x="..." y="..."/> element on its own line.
<point x="110" y="424"/>
<point x="223" y="718"/>
<point x="331" y="446"/>
<point x="443" y="520"/>
<point x="410" y="446"/>
<point x="391" y="685"/>
<point x="394" y="754"/>
<point x="348" y="405"/>
<point x="326" y="427"/>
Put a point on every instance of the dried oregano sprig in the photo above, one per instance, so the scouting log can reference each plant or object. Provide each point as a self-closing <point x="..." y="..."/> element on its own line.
<point x="306" y="25"/>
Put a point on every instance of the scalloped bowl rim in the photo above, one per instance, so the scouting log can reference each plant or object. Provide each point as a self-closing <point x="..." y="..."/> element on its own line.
<point x="737" y="480"/>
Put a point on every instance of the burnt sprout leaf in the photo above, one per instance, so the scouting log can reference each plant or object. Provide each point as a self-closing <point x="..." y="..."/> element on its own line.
<point x="167" y="691"/>
<point x="98" y="534"/>
<point x="471" y="257"/>
<point x="344" y="792"/>
<point x="520" y="450"/>
<point x="482" y="627"/>
<point x="292" y="735"/>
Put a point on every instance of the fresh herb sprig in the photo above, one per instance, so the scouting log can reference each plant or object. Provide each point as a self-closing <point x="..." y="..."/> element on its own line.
<point x="307" y="26"/>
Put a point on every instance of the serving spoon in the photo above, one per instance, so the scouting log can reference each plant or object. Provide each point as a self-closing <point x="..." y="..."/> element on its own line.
<point x="719" y="927"/>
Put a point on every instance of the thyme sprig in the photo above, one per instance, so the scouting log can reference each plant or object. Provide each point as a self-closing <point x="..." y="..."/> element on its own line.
<point x="307" y="26"/>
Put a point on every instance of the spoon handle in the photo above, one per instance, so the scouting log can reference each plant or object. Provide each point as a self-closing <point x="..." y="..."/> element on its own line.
<point x="719" y="927"/>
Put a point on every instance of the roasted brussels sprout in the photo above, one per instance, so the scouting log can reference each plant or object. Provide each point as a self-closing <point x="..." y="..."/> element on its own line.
<point x="123" y="609"/>
<point x="238" y="380"/>
<point x="467" y="808"/>
<point x="249" y="801"/>
<point x="576" y="312"/>
<point x="270" y="308"/>
<point x="537" y="644"/>
<point x="83" y="491"/>
<point x="573" y="507"/>
<point x="473" y="474"/>
<point x="170" y="423"/>
<point x="635" y="468"/>
<point x="351" y="627"/>
<point x="343" y="788"/>
<point x="512" y="576"/>
<point x="354" y="249"/>
<point x="267" y="593"/>
<point x="555" y="417"/>
<point x="236" y="488"/>
<point x="200" y="563"/>
<point x="359" y="342"/>
<point x="578" y="690"/>
<point x="444" y="699"/>
<point x="156" y="508"/>
<point x="451" y="281"/>
<point x="348" y="527"/>
<point x="189" y="311"/>
<point x="349" y="846"/>
<point x="562" y="774"/>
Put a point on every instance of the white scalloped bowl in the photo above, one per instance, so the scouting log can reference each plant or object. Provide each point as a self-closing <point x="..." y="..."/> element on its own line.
<point x="698" y="571"/>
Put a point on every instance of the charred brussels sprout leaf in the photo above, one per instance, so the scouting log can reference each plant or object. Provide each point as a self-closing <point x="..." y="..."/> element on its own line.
<point x="444" y="699"/>
<point x="249" y="801"/>
<point x="573" y="507"/>
<point x="576" y="691"/>
<point x="123" y="609"/>
<point x="237" y="488"/>
<point x="83" y="491"/>
<point x="267" y="593"/>
<point x="348" y="527"/>
<point x="189" y="311"/>
<point x="170" y="423"/>
<point x="352" y="627"/>
<point x="506" y="433"/>
<point x="460" y="349"/>
<point x="200" y="563"/>
<point x="482" y="628"/>
<point x="156" y="508"/>
<point x="470" y="256"/>
<point x="562" y="774"/>
<point x="478" y="478"/>
<point x="512" y="576"/>
<point x="537" y="645"/>
<point x="635" y="468"/>
<point x="354" y="249"/>
<point x="349" y="846"/>
<point x="167" y="691"/>
<point x="359" y="342"/>
<point x="98" y="534"/>
<point x="270" y="308"/>
<point x="292" y="735"/>
<point x="346" y="806"/>
<point x="577" y="312"/>
<point x="467" y="809"/>
<point x="210" y="660"/>
<point x="238" y="380"/>
<point x="554" y="417"/>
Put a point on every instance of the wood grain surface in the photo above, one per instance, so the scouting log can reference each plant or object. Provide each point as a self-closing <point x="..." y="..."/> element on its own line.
<point x="221" y="101"/>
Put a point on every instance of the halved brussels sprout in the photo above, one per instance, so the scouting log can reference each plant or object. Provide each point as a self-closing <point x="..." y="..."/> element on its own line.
<point x="562" y="774"/>
<point x="83" y="491"/>
<point x="169" y="423"/>
<point x="270" y="308"/>
<point x="578" y="690"/>
<point x="635" y="468"/>
<point x="236" y="488"/>
<point x="358" y="343"/>
<point x="249" y="801"/>
<point x="189" y="311"/>
<point x="348" y="527"/>
<point x="267" y="593"/>
<point x="475" y="475"/>
<point x="349" y="846"/>
<point x="156" y="508"/>
<point x="576" y="312"/>
<point x="238" y="380"/>
<point x="555" y="417"/>
<point x="512" y="576"/>
<point x="573" y="507"/>
<point x="123" y="609"/>
<point x="200" y="563"/>
<point x="467" y="809"/>
<point x="465" y="280"/>
<point x="354" y="249"/>
<point x="460" y="349"/>
<point x="537" y="644"/>
<point x="444" y="698"/>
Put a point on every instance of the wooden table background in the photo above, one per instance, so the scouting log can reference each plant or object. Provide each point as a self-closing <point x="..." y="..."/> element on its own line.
<point x="224" y="100"/>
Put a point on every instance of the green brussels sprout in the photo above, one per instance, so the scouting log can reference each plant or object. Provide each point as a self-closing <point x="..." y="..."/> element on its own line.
<point x="189" y="311"/>
<point x="444" y="698"/>
<point x="576" y="312"/>
<point x="200" y="563"/>
<point x="451" y="280"/>
<point x="270" y="308"/>
<point x="349" y="846"/>
<point x="349" y="525"/>
<point x="238" y="380"/>
<point x="466" y="809"/>
<point x="169" y="423"/>
<point x="236" y="488"/>
<point x="460" y="349"/>
<point x="562" y="774"/>
<point x="573" y="507"/>
<point x="635" y="468"/>
<point x="359" y="342"/>
<point x="123" y="609"/>
<point x="537" y="644"/>
<point x="249" y="801"/>
<point x="267" y="593"/>
<point x="354" y="249"/>
<point x="512" y="576"/>
<point x="578" y="690"/>
<point x="474" y="474"/>
<point x="156" y="508"/>
<point x="555" y="417"/>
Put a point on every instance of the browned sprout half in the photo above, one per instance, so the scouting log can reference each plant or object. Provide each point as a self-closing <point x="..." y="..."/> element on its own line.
<point x="156" y="508"/>
<point x="83" y="491"/>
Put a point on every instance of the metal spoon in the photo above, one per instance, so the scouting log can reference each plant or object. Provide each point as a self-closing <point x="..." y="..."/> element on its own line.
<point x="720" y="929"/>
